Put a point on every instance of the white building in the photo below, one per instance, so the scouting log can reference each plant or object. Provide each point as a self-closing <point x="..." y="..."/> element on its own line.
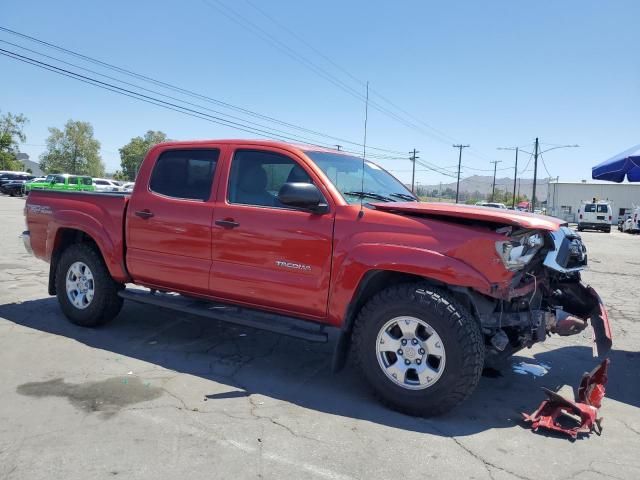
<point x="564" y="198"/>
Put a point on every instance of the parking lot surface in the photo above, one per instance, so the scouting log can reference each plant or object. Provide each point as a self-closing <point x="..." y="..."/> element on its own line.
<point x="155" y="394"/>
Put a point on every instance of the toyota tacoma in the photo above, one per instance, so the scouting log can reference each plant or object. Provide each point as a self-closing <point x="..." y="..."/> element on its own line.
<point x="305" y="241"/>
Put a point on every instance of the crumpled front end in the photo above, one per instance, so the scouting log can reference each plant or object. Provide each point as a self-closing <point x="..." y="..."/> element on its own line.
<point x="546" y="295"/>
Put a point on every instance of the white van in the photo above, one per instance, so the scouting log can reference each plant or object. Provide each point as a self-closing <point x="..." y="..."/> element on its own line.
<point x="595" y="215"/>
<point x="632" y="224"/>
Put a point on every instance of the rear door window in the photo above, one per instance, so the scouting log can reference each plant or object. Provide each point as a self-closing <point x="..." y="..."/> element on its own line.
<point x="590" y="207"/>
<point x="185" y="174"/>
<point x="603" y="208"/>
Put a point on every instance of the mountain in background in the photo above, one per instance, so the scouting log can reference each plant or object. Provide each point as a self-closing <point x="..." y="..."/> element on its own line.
<point x="481" y="184"/>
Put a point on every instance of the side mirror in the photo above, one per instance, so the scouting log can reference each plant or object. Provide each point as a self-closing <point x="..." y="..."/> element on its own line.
<point x="304" y="196"/>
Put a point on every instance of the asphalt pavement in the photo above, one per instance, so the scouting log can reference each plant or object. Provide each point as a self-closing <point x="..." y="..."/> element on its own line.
<point x="156" y="394"/>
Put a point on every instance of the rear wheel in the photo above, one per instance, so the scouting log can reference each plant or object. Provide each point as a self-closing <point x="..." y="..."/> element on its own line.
<point x="419" y="349"/>
<point x="87" y="294"/>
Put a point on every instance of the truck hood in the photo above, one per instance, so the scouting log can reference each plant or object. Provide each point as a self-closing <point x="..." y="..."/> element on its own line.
<point x="472" y="212"/>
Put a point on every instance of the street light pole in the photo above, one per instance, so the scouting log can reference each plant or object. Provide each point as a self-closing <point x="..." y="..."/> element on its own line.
<point x="535" y="175"/>
<point x="493" y="188"/>
<point x="460" y="147"/>
<point x="413" y="170"/>
<point x="535" y="154"/>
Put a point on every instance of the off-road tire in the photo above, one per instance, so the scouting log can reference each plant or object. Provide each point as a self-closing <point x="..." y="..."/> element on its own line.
<point x="106" y="303"/>
<point x="460" y="334"/>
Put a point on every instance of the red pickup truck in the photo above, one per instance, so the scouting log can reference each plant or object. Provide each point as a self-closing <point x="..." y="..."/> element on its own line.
<point x="305" y="241"/>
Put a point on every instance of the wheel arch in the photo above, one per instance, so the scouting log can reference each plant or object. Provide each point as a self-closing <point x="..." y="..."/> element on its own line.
<point x="63" y="239"/>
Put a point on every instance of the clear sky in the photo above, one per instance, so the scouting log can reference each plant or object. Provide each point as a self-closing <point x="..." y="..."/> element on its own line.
<point x="486" y="73"/>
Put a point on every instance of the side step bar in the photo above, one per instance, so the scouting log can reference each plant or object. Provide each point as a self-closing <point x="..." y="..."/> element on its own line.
<point x="292" y="327"/>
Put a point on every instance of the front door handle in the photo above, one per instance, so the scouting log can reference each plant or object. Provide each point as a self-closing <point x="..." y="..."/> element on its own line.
<point x="228" y="223"/>
<point x="144" y="214"/>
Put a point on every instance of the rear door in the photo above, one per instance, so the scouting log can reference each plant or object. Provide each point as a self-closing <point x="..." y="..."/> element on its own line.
<point x="603" y="213"/>
<point x="588" y="214"/>
<point x="169" y="220"/>
<point x="266" y="254"/>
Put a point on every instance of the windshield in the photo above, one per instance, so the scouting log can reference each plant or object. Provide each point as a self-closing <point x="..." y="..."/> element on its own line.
<point x="346" y="174"/>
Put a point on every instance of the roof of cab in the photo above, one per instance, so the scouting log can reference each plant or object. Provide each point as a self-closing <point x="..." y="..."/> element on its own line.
<point x="257" y="142"/>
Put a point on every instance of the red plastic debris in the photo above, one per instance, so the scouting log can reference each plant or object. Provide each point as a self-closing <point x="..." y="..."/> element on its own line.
<point x="573" y="417"/>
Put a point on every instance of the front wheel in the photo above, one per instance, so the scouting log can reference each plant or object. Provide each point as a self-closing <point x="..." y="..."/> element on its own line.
<point x="419" y="349"/>
<point x="87" y="294"/>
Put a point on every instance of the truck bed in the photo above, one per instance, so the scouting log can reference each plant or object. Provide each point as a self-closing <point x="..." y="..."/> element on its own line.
<point x="53" y="214"/>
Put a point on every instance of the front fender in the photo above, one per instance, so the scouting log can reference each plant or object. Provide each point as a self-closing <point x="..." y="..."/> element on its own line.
<point x="350" y="268"/>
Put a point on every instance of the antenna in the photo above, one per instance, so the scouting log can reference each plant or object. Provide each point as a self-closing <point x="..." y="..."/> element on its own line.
<point x="364" y="150"/>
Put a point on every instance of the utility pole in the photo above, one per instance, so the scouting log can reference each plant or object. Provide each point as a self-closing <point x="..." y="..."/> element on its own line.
<point x="515" y="176"/>
<point x="413" y="170"/>
<point x="535" y="176"/>
<point x="440" y="193"/>
<point x="339" y="147"/>
<point x="460" y="147"/>
<point x="493" y="188"/>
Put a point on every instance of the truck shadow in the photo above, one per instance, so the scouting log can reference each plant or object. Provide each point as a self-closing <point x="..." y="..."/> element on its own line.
<point x="253" y="362"/>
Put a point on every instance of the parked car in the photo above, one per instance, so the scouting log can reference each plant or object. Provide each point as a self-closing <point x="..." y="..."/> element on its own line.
<point x="61" y="181"/>
<point x="632" y="223"/>
<point x="491" y="204"/>
<point x="106" y="185"/>
<point x="595" y="215"/>
<point x="13" y="188"/>
<point x="128" y="186"/>
<point x="302" y="241"/>
<point x="12" y="176"/>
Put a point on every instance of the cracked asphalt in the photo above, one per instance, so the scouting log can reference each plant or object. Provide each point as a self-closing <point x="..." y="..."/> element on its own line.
<point x="159" y="395"/>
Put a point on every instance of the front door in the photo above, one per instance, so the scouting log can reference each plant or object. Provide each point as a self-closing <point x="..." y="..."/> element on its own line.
<point x="265" y="254"/>
<point x="169" y="221"/>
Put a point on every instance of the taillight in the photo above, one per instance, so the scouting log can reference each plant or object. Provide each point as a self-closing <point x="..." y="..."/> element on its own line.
<point x="609" y="217"/>
<point x="580" y="216"/>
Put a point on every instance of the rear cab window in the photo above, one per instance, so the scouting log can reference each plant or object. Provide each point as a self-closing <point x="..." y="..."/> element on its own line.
<point x="185" y="174"/>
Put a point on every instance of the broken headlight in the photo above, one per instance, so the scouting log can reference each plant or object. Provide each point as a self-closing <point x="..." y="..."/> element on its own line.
<point x="517" y="251"/>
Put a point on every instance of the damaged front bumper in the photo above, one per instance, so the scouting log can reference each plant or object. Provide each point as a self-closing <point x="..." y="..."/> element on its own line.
<point x="567" y="259"/>
<point x="564" y="414"/>
<point x="549" y="297"/>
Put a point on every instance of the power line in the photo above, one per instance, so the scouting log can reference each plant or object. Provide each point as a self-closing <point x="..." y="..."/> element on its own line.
<point x="147" y="98"/>
<point x="177" y="89"/>
<point x="544" y="164"/>
<point x="241" y="20"/>
<point x="344" y="70"/>
<point x="306" y="139"/>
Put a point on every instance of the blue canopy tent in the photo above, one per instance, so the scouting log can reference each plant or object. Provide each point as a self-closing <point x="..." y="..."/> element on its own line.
<point x="615" y="169"/>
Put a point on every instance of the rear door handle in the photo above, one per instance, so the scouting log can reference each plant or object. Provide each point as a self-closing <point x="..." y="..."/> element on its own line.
<point x="227" y="223"/>
<point x="144" y="214"/>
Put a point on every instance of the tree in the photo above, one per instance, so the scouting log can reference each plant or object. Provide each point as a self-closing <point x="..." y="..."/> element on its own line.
<point x="11" y="135"/>
<point x="73" y="150"/>
<point x="132" y="154"/>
